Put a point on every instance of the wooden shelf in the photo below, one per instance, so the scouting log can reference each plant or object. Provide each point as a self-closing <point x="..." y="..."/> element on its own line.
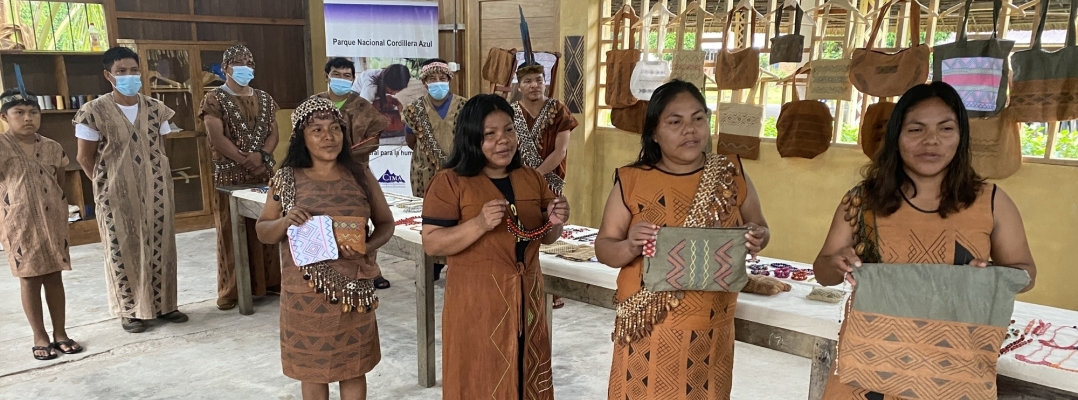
<point x="66" y="111"/>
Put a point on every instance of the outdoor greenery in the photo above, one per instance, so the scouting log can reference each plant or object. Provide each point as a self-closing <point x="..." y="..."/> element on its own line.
<point x="61" y="26"/>
<point x="1035" y="142"/>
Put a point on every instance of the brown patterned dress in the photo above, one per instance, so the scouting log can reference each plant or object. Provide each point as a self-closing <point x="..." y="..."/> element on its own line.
<point x="319" y="342"/>
<point x="495" y="340"/>
<point x="247" y="122"/>
<point x="913" y="236"/>
<point x="434" y="138"/>
<point x="33" y="208"/>
<point x="690" y="354"/>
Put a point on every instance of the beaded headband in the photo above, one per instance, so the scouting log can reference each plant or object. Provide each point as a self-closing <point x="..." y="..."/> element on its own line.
<point x="434" y="68"/>
<point x="235" y="52"/>
<point x="311" y="107"/>
<point x="528" y="69"/>
<point x="17" y="97"/>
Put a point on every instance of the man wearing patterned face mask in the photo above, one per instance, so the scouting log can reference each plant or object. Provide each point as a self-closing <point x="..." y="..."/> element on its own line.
<point x="430" y="122"/>
<point x="242" y="129"/>
<point x="122" y="146"/>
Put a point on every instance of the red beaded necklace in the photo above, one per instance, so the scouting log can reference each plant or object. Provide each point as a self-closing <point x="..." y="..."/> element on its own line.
<point x="512" y="223"/>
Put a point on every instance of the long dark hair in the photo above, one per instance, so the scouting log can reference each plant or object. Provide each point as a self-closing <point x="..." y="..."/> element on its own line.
<point x="300" y="157"/>
<point x="650" y="152"/>
<point x="395" y="77"/>
<point x="467" y="158"/>
<point x="886" y="175"/>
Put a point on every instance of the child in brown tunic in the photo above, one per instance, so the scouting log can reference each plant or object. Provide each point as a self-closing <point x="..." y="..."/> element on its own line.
<point x="34" y="212"/>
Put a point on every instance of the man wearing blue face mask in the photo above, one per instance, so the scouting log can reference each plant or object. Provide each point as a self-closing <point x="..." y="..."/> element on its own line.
<point x="363" y="120"/>
<point x="430" y="122"/>
<point x="241" y="125"/>
<point x="122" y="149"/>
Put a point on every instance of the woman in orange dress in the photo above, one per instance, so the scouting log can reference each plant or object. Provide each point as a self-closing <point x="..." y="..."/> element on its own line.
<point x="495" y="338"/>
<point x="687" y="351"/>
<point x="929" y="205"/>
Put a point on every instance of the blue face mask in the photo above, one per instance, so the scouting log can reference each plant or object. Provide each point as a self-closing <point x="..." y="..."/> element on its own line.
<point x="128" y="85"/>
<point x="438" y="90"/>
<point x="340" y="86"/>
<point x="243" y="74"/>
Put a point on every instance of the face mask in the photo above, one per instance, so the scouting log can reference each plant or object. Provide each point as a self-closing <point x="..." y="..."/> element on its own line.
<point x="340" y="86"/>
<point x="128" y="85"/>
<point x="243" y="74"/>
<point x="438" y="90"/>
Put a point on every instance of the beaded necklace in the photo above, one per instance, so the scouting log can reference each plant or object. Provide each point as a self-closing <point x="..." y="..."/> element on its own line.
<point x="513" y="224"/>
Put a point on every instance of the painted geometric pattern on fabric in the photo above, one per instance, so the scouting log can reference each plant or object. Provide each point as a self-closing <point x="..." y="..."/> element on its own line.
<point x="694" y="264"/>
<point x="538" y="379"/>
<point x="574" y="74"/>
<point x="1044" y="100"/>
<point x="654" y="209"/>
<point x="313" y="241"/>
<point x="319" y="343"/>
<point x="976" y="79"/>
<point x="914" y="358"/>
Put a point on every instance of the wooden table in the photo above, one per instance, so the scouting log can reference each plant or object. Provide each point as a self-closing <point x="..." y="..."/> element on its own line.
<point x="786" y="322"/>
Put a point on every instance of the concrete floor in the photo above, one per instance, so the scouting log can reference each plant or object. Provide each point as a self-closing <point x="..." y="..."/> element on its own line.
<point x="221" y="354"/>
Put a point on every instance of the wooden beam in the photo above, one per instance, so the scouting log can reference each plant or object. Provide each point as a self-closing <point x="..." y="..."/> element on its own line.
<point x="111" y="26"/>
<point x="213" y="19"/>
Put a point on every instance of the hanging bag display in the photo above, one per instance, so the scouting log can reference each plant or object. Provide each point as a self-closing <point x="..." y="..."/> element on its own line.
<point x="880" y="74"/>
<point x="621" y="60"/>
<point x="738" y="69"/>
<point x="630" y="119"/>
<point x="788" y="48"/>
<point x="996" y="144"/>
<point x="1045" y="84"/>
<point x="874" y="127"/>
<point x="830" y="79"/>
<point x="977" y="69"/>
<point x="650" y="74"/>
<point x="804" y="126"/>
<point x="688" y="65"/>
<point x="740" y="125"/>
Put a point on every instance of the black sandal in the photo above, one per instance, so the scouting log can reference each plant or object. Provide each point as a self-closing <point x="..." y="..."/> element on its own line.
<point x="72" y="346"/>
<point x="381" y="283"/>
<point x="47" y="349"/>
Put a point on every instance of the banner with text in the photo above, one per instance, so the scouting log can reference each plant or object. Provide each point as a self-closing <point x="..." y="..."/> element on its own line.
<point x="389" y="29"/>
<point x="392" y="166"/>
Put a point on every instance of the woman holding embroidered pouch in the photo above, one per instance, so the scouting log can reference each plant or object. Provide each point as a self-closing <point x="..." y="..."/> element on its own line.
<point x="337" y="295"/>
<point x="921" y="204"/>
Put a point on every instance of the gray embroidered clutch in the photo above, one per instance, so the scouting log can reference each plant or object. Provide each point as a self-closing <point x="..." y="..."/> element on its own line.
<point x="703" y="259"/>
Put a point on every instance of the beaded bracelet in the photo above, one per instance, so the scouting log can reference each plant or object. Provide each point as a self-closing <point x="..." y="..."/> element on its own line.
<point x="1022" y="341"/>
<point x="408" y="221"/>
<point x="799" y="275"/>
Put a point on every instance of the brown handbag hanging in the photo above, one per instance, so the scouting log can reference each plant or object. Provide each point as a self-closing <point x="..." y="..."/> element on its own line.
<point x="804" y="126"/>
<point x="996" y="144"/>
<point x="738" y="69"/>
<point x="880" y="74"/>
<point x="500" y="66"/>
<point x="631" y="118"/>
<point x="874" y="127"/>
<point x="621" y="60"/>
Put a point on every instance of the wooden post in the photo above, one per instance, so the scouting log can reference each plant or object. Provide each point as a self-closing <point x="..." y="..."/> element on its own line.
<point x="424" y="302"/>
<point x="239" y="244"/>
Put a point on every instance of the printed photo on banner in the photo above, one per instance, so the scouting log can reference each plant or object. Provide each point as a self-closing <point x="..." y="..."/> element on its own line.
<point x="387" y="39"/>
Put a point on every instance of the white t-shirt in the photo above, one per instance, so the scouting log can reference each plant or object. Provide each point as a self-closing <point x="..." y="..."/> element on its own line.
<point x="362" y="84"/>
<point x="131" y="112"/>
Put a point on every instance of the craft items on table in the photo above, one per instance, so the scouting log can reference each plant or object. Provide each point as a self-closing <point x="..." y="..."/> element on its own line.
<point x="416" y="220"/>
<point x="414" y="206"/>
<point x="977" y="69"/>
<point x="1045" y="344"/>
<point x="1044" y="87"/>
<point x="263" y="189"/>
<point x="883" y="341"/>
<point x="313" y="241"/>
<point x="826" y="295"/>
<point x="882" y="74"/>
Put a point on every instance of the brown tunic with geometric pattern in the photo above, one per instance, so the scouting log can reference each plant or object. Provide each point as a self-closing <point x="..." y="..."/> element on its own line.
<point x="690" y="354"/>
<point x="429" y="127"/>
<point x="33" y="209"/>
<point x="912" y="236"/>
<point x="319" y="342"/>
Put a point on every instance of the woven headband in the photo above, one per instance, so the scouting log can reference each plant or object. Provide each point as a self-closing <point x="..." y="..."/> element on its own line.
<point x="311" y="107"/>
<point x="17" y="97"/>
<point x="434" y="68"/>
<point x="235" y="52"/>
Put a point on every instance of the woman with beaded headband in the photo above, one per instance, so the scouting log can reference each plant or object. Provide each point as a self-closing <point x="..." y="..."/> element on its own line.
<point x="34" y="227"/>
<point x="488" y="216"/>
<point x="921" y="192"/>
<point x="328" y="327"/>
<point x="682" y="341"/>
<point x="430" y="122"/>
<point x="242" y="129"/>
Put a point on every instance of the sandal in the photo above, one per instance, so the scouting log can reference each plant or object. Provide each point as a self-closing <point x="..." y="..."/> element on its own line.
<point x="47" y="349"/>
<point x="558" y="303"/>
<point x="381" y="283"/>
<point x="72" y="346"/>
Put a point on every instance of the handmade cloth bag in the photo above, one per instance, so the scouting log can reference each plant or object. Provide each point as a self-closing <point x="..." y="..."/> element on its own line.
<point x="1045" y="84"/>
<point x="649" y="74"/>
<point x="874" y="127"/>
<point x="630" y="119"/>
<point x="740" y="125"/>
<point x="621" y="61"/>
<point x="996" y="144"/>
<point x="313" y="241"/>
<point x="500" y="66"/>
<point x="737" y="69"/>
<point x="788" y="48"/>
<point x="925" y="331"/>
<point x="880" y="74"/>
<point x="977" y="69"/>
<point x="830" y="79"/>
<point x="352" y="232"/>
<point x="804" y="127"/>
<point x="688" y="65"/>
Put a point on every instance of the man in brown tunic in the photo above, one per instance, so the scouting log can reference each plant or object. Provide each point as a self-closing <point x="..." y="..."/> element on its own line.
<point x="242" y="128"/>
<point x="543" y="125"/>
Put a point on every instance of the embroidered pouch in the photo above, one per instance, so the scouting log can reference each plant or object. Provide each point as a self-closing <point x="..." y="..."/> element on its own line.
<point x="351" y="231"/>
<point x="313" y="241"/>
<point x="925" y="331"/>
<point x="704" y="259"/>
